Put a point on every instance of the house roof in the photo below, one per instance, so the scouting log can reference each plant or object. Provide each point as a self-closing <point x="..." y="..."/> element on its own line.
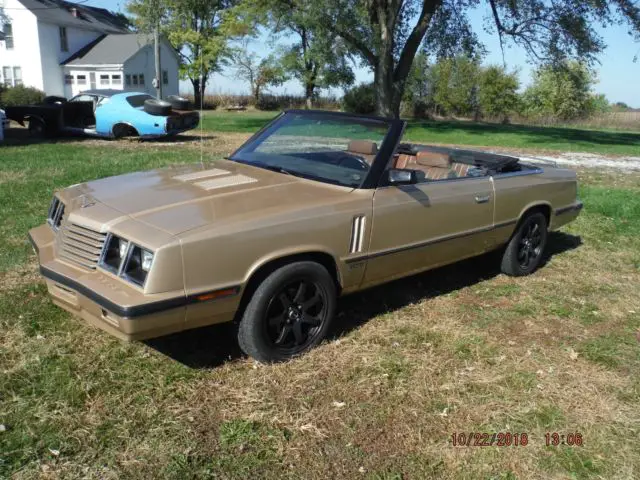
<point x="61" y="12"/>
<point x="110" y="49"/>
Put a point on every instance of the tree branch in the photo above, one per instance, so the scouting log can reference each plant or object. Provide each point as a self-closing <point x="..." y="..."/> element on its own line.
<point x="356" y="43"/>
<point x="496" y="18"/>
<point x="415" y="38"/>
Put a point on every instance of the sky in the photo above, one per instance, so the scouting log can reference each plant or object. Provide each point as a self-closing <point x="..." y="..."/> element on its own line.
<point x="618" y="75"/>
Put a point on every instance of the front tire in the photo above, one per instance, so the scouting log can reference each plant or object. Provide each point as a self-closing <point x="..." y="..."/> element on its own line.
<point x="37" y="128"/>
<point x="526" y="247"/>
<point x="289" y="313"/>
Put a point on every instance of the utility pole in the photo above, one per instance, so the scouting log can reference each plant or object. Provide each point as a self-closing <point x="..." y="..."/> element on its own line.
<point x="156" y="40"/>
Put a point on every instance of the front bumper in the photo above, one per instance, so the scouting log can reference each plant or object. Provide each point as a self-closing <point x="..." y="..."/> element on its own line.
<point x="105" y="301"/>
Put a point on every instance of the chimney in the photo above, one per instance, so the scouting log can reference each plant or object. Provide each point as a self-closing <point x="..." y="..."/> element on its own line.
<point x="74" y="12"/>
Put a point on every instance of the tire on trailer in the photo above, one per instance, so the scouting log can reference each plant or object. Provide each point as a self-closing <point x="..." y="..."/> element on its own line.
<point x="53" y="99"/>
<point x="37" y="127"/>
<point x="178" y="103"/>
<point x="525" y="250"/>
<point x="283" y="318"/>
<point x="153" y="106"/>
<point x="122" y="130"/>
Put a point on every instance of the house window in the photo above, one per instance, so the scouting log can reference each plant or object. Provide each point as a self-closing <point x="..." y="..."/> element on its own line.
<point x="116" y="79"/>
<point x="8" y="36"/>
<point x="64" y="43"/>
<point x="127" y="79"/>
<point x="7" y="76"/>
<point x="141" y="79"/>
<point x="68" y="79"/>
<point x="104" y="79"/>
<point x="82" y="79"/>
<point x="17" y="76"/>
<point x="165" y="77"/>
<point x="134" y="78"/>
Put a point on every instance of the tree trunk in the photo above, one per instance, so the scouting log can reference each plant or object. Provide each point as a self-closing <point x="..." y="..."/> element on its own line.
<point x="203" y="86"/>
<point x="388" y="92"/>
<point x="197" y="94"/>
<point x="308" y="95"/>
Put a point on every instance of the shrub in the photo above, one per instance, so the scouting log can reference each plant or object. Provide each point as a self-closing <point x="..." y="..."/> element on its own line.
<point x="420" y="109"/>
<point x="21" y="95"/>
<point x="360" y="99"/>
<point x="268" y="102"/>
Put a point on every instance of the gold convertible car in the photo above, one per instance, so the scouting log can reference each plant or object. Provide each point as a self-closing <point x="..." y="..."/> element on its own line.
<point x="313" y="206"/>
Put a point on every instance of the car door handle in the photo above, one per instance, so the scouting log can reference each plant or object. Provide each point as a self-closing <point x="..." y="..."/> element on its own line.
<point x="483" y="198"/>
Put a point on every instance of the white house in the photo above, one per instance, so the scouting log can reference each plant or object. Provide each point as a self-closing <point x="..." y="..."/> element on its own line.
<point x="121" y="61"/>
<point x="62" y="48"/>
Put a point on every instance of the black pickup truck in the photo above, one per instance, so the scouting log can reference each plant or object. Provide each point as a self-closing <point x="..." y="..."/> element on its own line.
<point x="54" y="115"/>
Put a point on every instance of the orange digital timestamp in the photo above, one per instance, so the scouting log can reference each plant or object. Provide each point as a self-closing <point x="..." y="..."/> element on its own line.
<point x="497" y="439"/>
<point x="555" y="439"/>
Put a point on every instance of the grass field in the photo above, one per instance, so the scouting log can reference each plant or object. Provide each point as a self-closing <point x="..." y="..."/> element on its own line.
<point x="566" y="139"/>
<point x="460" y="349"/>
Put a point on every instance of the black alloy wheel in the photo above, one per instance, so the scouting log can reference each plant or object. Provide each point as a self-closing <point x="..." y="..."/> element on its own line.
<point x="294" y="316"/>
<point x="289" y="312"/>
<point x="530" y="247"/>
<point x="525" y="250"/>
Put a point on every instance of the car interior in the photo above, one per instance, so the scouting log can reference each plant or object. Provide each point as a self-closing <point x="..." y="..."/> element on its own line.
<point x="430" y="165"/>
<point x="441" y="163"/>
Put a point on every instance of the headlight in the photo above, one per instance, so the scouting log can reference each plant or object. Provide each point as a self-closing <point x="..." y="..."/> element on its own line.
<point x="126" y="259"/>
<point x="137" y="265"/>
<point x="114" y="253"/>
<point x="56" y="211"/>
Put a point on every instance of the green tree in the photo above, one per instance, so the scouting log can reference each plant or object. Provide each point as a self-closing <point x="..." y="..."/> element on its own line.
<point x="259" y="73"/>
<point x="316" y="58"/>
<point x="498" y="92"/>
<point x="455" y="85"/>
<point x="561" y="91"/>
<point x="419" y="81"/>
<point x="598" y="103"/>
<point x="387" y="34"/>
<point x="198" y="29"/>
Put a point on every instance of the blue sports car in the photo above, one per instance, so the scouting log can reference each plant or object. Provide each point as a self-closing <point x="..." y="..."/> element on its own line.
<point x="108" y="113"/>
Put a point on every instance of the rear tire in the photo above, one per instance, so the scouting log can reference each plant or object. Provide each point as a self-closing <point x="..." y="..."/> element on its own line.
<point x="289" y="313"/>
<point x="525" y="250"/>
<point x="37" y="128"/>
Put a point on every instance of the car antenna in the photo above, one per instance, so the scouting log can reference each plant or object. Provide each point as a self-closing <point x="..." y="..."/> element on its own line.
<point x="201" y="110"/>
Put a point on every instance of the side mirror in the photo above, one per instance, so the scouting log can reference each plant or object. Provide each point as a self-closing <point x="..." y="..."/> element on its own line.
<point x="402" y="177"/>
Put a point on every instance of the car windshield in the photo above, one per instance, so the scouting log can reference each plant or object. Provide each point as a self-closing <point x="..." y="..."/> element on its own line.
<point x="326" y="147"/>
<point x="137" y="101"/>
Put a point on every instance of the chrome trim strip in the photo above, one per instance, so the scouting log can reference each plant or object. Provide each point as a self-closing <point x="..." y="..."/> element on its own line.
<point x="357" y="234"/>
<point x="363" y="222"/>
<point x="429" y="242"/>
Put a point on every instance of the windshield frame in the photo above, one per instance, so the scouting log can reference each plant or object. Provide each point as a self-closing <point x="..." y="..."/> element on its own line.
<point x="395" y="128"/>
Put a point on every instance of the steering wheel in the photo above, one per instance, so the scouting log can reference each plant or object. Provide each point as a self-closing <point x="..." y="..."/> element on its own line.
<point x="353" y="162"/>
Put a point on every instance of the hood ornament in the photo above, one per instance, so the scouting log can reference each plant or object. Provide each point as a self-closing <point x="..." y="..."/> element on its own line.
<point x="86" y="202"/>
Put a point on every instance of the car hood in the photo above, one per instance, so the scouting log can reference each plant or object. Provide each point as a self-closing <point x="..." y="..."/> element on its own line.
<point x="179" y="199"/>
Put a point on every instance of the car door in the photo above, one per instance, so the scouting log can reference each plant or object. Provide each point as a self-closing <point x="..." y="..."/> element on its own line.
<point x="425" y="225"/>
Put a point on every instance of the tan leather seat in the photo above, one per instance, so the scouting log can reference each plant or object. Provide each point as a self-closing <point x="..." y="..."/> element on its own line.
<point x="404" y="161"/>
<point x="460" y="169"/>
<point x="363" y="148"/>
<point x="436" y="166"/>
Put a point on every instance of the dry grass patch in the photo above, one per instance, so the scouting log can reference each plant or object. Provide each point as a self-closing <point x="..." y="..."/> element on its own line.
<point x="460" y="349"/>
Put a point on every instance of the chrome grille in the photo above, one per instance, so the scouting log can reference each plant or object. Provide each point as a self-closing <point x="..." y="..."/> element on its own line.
<point x="80" y="246"/>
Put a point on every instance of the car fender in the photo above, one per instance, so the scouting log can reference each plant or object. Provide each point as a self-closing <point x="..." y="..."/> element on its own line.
<point x="535" y="204"/>
<point x="293" y="252"/>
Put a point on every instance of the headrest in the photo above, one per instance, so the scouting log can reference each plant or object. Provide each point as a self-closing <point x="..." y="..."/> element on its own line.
<point x="363" y="146"/>
<point x="433" y="159"/>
